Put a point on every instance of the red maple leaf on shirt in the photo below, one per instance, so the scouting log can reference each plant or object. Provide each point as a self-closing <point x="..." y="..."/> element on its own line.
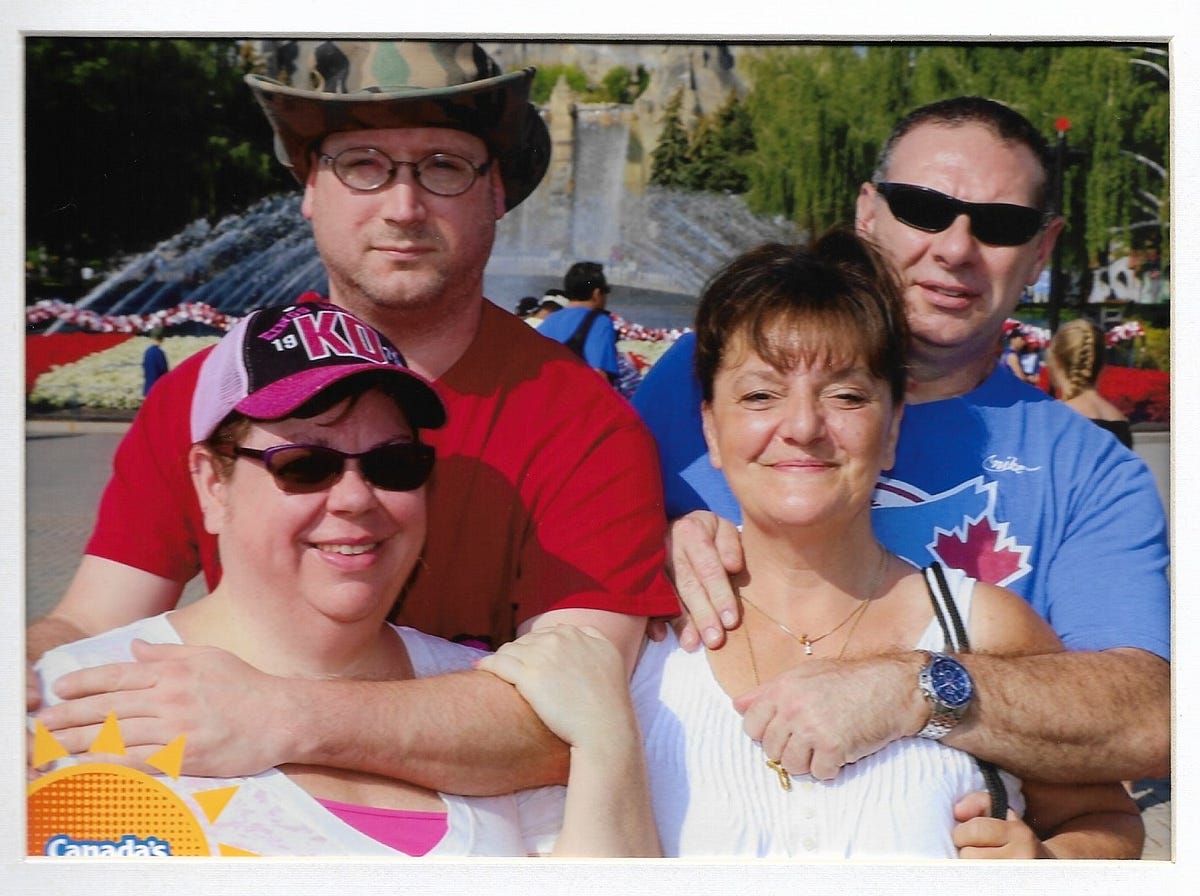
<point x="982" y="553"/>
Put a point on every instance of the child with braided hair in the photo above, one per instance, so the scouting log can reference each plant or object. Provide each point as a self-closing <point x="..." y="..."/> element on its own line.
<point x="1075" y="359"/>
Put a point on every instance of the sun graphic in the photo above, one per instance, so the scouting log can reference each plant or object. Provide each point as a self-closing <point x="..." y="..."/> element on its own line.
<point x="104" y="810"/>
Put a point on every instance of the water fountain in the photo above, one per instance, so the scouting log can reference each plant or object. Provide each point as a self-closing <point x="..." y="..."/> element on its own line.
<point x="658" y="245"/>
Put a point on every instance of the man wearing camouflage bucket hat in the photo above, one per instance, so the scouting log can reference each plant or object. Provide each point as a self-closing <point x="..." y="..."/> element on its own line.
<point x="546" y="506"/>
<point x="322" y="87"/>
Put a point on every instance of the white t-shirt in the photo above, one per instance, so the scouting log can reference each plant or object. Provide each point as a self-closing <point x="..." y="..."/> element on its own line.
<point x="271" y="816"/>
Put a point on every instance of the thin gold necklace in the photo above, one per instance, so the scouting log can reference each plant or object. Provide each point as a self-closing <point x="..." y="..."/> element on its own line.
<point x="776" y="765"/>
<point x="808" y="642"/>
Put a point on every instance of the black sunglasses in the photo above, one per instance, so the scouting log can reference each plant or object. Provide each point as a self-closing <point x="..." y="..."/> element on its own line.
<point x="995" y="223"/>
<point x="304" y="469"/>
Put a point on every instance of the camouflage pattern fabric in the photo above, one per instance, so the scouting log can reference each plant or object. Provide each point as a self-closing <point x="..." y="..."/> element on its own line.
<point x="351" y="66"/>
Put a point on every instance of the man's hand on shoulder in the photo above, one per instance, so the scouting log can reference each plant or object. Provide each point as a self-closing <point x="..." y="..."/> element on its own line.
<point x="44" y="634"/>
<point x="235" y="717"/>
<point x="703" y="550"/>
<point x="103" y="595"/>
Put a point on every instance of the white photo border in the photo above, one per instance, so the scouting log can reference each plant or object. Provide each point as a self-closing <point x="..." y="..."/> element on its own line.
<point x="1150" y="20"/>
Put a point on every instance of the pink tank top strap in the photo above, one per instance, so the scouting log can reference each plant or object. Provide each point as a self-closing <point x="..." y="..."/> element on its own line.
<point x="412" y="833"/>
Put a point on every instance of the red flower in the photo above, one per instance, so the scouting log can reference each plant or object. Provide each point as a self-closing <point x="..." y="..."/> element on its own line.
<point x="43" y="352"/>
<point x="1144" y="396"/>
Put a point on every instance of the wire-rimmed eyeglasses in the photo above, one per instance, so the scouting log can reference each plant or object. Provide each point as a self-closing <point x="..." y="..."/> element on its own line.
<point x="441" y="173"/>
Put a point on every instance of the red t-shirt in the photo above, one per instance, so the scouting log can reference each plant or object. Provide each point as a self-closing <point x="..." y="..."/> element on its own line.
<point x="546" y="493"/>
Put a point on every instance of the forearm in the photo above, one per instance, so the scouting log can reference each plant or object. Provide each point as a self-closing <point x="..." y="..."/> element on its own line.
<point x="1070" y="717"/>
<point x="1084" y="821"/>
<point x="49" y="632"/>
<point x="575" y="678"/>
<point x="103" y="595"/>
<point x="1112" y="835"/>
<point x="465" y="733"/>
<point x="608" y="812"/>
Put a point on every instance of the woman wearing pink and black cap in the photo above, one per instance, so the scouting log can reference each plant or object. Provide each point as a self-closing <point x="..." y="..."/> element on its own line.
<point x="310" y="471"/>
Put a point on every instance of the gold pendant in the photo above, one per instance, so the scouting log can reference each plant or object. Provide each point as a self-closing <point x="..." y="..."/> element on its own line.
<point x="785" y="780"/>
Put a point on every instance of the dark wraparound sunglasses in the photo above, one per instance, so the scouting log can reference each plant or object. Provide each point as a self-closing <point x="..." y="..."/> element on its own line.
<point x="303" y="469"/>
<point x="995" y="223"/>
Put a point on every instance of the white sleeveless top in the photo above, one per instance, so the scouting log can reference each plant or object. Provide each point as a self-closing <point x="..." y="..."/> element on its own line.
<point x="714" y="796"/>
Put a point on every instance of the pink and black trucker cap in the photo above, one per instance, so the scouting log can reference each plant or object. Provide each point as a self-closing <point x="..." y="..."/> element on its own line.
<point x="275" y="359"/>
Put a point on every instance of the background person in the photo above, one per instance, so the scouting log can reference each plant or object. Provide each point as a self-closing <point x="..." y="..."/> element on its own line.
<point x="991" y="476"/>
<point x="310" y="470"/>
<point x="405" y="175"/>
<point x="1075" y="358"/>
<point x="1012" y="357"/>
<point x="553" y="301"/>
<point x="555" y="298"/>
<point x="584" y="325"/>
<point x="526" y="306"/>
<point x="154" y="361"/>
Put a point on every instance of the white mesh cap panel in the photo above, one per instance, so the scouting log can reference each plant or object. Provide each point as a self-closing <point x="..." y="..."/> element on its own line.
<point x="223" y="382"/>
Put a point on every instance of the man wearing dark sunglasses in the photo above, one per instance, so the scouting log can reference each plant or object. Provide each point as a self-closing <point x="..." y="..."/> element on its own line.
<point x="963" y="214"/>
<point x="546" y="504"/>
<point x="990" y="476"/>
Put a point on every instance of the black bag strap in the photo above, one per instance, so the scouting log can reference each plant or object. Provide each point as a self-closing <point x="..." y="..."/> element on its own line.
<point x="579" y="337"/>
<point x="955" y="634"/>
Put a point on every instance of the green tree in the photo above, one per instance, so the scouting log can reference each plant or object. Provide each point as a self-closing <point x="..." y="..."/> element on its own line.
<point x="127" y="140"/>
<point x="820" y="113"/>
<point x="620" y="85"/>
<point x="670" y="159"/>
<point x="720" y="148"/>
<point x="614" y="86"/>
<point x="811" y="152"/>
<point x="547" y="76"/>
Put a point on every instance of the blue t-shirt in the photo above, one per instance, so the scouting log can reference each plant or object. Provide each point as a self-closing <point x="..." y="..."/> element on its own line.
<point x="1004" y="483"/>
<point x="600" y="348"/>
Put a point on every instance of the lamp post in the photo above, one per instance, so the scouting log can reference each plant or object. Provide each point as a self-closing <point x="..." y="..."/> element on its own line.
<point x="1061" y="125"/>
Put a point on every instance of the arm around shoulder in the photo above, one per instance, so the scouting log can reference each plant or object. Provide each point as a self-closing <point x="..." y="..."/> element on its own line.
<point x="1061" y="716"/>
<point x="467" y="732"/>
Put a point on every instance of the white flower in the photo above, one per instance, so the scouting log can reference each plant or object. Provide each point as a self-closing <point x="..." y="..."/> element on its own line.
<point x="111" y="378"/>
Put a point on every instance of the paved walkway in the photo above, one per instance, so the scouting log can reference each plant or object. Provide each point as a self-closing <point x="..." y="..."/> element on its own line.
<point x="67" y="464"/>
<point x="66" y="467"/>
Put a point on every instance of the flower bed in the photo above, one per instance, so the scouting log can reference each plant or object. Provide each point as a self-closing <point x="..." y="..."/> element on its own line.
<point x="45" y="352"/>
<point x="110" y="378"/>
<point x="1144" y="396"/>
<point x="103" y="370"/>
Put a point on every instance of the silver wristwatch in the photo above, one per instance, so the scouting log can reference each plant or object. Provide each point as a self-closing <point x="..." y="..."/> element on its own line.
<point x="946" y="685"/>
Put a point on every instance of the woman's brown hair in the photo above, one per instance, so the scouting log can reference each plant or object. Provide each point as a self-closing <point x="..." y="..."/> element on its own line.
<point x="837" y="300"/>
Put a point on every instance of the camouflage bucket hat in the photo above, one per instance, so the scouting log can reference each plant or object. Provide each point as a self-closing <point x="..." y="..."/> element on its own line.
<point x="318" y="87"/>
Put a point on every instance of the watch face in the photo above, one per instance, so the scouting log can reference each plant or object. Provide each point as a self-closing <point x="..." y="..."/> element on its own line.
<point x="950" y="682"/>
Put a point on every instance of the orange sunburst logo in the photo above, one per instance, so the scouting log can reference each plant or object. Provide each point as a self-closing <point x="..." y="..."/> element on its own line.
<point x="104" y="810"/>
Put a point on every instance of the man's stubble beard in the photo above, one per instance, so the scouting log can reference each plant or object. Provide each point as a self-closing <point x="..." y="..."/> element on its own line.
<point x="426" y="291"/>
<point x="418" y="291"/>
